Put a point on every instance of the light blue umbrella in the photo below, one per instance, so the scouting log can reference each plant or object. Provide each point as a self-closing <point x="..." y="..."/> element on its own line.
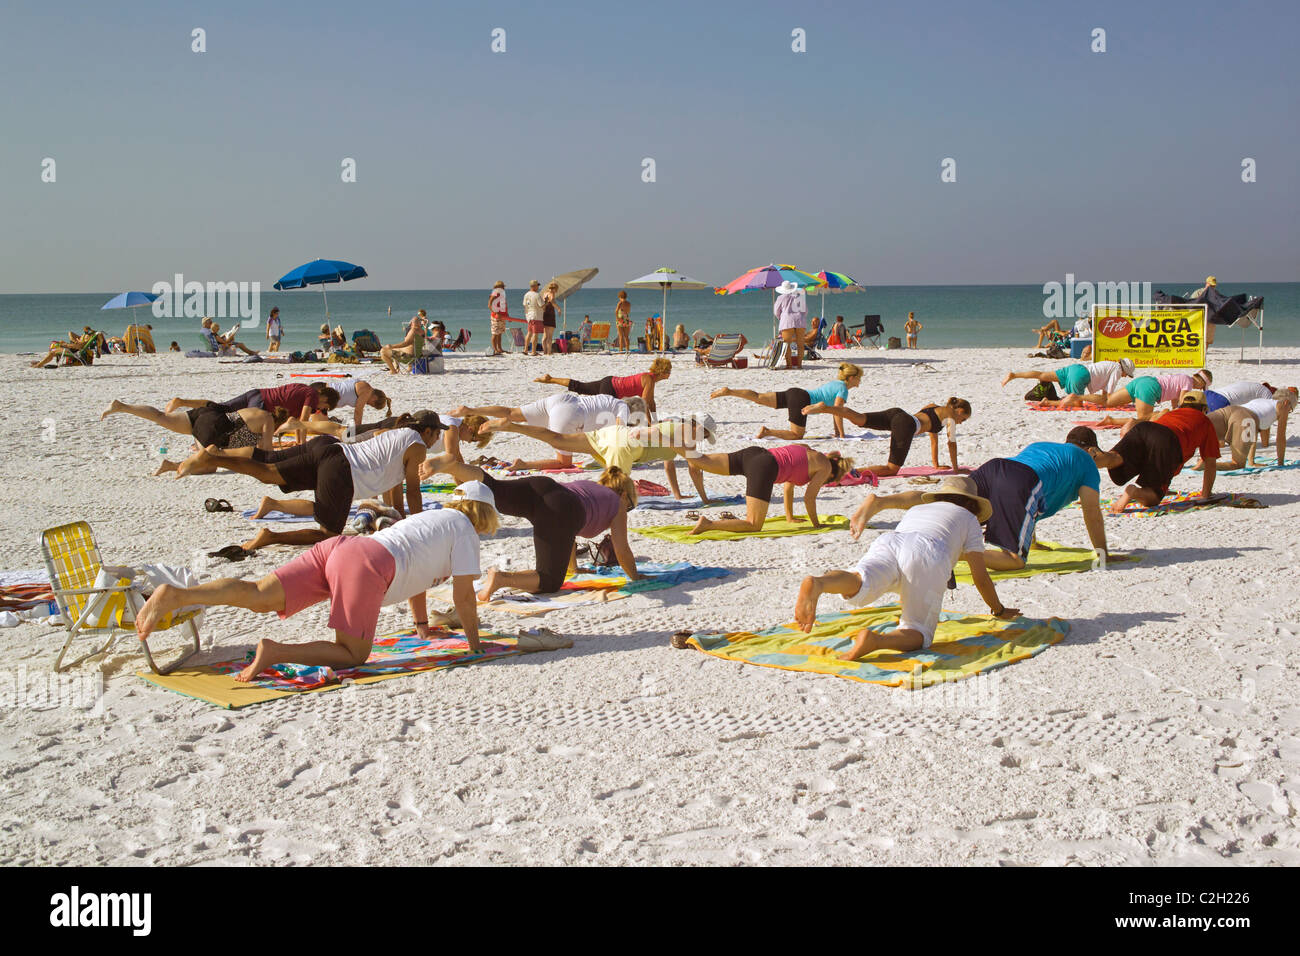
<point x="129" y="300"/>
<point x="320" y="272"/>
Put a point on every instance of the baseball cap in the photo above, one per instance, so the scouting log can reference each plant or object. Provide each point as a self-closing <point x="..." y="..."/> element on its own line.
<point x="475" y="491"/>
<point x="1193" y="396"/>
<point x="707" y="423"/>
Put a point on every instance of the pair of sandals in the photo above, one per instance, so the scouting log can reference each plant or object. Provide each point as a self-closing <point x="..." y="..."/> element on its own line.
<point x="213" y="505"/>
<point x="231" y="552"/>
<point x="722" y="516"/>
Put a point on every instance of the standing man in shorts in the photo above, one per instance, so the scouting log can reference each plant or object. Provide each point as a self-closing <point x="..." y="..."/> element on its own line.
<point x="1153" y="453"/>
<point x="499" y="309"/>
<point x="1092" y="383"/>
<point x="1034" y="484"/>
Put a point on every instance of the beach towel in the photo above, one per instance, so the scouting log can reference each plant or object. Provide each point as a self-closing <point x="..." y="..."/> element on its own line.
<point x="437" y="487"/>
<point x="854" y="477"/>
<point x="859" y="436"/>
<point x="650" y="489"/>
<point x="398" y="654"/>
<point x="672" y="504"/>
<point x="964" y="645"/>
<point x="924" y="471"/>
<point x="1100" y="424"/>
<point x="21" y="597"/>
<point x="772" y="528"/>
<point x="1178" y="504"/>
<point x="1050" y="558"/>
<point x="1085" y="407"/>
<point x="1258" y="468"/>
<point x="598" y="586"/>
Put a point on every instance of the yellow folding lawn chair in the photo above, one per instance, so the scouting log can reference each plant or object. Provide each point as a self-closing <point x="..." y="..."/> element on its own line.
<point x="599" y="339"/>
<point x="96" y="600"/>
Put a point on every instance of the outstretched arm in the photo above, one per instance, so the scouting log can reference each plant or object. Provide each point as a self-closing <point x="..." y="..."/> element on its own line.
<point x="570" y="441"/>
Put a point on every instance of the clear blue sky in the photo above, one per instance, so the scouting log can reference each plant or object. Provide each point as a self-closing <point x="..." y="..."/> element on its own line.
<point x="473" y="166"/>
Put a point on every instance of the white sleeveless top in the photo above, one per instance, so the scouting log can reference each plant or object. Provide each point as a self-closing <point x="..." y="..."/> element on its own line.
<point x="377" y="463"/>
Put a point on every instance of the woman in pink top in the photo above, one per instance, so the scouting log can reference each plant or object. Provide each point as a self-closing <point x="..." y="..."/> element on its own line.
<point x="623" y="386"/>
<point x="763" y="468"/>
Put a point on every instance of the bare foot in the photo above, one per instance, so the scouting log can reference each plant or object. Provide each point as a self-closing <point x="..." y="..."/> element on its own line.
<point x="864" y="513"/>
<point x="115" y="407"/>
<point x="259" y="664"/>
<point x="462" y="411"/>
<point x="171" y="406"/>
<point x="259" y="540"/>
<point x="166" y="467"/>
<point x="701" y="526"/>
<point x="1010" y="375"/>
<point x="863" y="643"/>
<point x="720" y="393"/>
<point x="265" y="508"/>
<point x="189" y="466"/>
<point x="165" y="598"/>
<point x="494" y="425"/>
<point x="762" y="432"/>
<point x="489" y="586"/>
<point x="805" y="607"/>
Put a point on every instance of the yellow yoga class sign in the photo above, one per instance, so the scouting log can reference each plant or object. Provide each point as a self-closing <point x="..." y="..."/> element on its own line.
<point x="1152" y="337"/>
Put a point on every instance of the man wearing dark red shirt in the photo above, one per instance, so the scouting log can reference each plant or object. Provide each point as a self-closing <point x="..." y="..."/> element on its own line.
<point x="1153" y="452"/>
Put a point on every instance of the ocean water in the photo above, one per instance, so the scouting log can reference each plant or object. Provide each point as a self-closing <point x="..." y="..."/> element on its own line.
<point x="952" y="316"/>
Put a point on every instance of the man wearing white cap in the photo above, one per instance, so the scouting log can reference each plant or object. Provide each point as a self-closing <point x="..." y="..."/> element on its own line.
<point x="791" y="311"/>
<point x="358" y="576"/>
<point x="915" y="561"/>
<point x="1092" y="383"/>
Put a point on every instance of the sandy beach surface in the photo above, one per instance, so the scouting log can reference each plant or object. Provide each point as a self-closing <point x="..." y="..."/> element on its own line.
<point x="1164" y="729"/>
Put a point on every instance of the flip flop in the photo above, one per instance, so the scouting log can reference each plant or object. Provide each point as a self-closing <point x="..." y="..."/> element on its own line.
<point x="231" y="552"/>
<point x="679" y="639"/>
<point x="727" y="516"/>
<point x="1245" y="503"/>
<point x="693" y="515"/>
<point x="217" y="504"/>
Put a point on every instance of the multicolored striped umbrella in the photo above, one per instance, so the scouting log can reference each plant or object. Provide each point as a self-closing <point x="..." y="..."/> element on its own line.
<point x="835" y="282"/>
<point x="767" y="277"/>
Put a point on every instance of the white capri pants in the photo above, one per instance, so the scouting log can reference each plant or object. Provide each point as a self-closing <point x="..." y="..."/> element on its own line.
<point x="559" y="413"/>
<point x="914" y="567"/>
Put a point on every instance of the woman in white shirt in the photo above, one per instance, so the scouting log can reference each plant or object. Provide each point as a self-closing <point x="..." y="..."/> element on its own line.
<point x="914" y="561"/>
<point x="358" y="576"/>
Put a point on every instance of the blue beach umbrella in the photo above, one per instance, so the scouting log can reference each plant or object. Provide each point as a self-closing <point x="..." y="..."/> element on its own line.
<point x="320" y="272"/>
<point x="129" y="300"/>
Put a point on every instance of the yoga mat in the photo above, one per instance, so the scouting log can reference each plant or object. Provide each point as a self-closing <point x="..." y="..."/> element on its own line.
<point x="853" y="478"/>
<point x="1049" y="558"/>
<point x="772" y="528"/>
<point x="919" y="471"/>
<point x="398" y="654"/>
<point x="1084" y="407"/>
<point x="1102" y="425"/>
<point x="672" y="504"/>
<point x="599" y="586"/>
<point x="1178" y="504"/>
<point x="964" y="645"/>
<point x="1259" y="468"/>
<point x="860" y="436"/>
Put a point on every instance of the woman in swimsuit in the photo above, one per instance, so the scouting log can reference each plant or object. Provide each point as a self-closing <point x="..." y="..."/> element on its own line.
<point x="763" y="468"/>
<point x="903" y="427"/>
<point x="621" y="386"/>
<point x="623" y="321"/>
<point x="795" y="400"/>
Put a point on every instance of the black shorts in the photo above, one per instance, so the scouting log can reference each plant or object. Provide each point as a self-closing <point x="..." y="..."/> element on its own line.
<point x="794" y="400"/>
<point x="556" y="515"/>
<point x="211" y="425"/>
<point x="760" y="468"/>
<point x="1016" y="493"/>
<point x="320" y="466"/>
<point x="604" y="387"/>
<point x="1151" y="454"/>
<point x="901" y="427"/>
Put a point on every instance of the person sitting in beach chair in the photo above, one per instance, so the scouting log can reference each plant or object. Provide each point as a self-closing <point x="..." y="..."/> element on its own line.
<point x="721" y="350"/>
<point x="77" y="350"/>
<point x="461" y="343"/>
<point x="1153" y="453"/>
<point x="1034" y="484"/>
<point x="916" y="561"/>
<point x="359" y="576"/>
<point x="839" y="337"/>
<point x="1092" y="383"/>
<point x="226" y="343"/>
<point x="410" y="349"/>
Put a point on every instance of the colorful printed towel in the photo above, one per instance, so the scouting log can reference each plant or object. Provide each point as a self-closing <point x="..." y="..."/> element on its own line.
<point x="1050" y="558"/>
<point x="393" y="655"/>
<point x="650" y="489"/>
<point x="21" y="597"/>
<point x="1258" y="468"/>
<point x="672" y="504"/>
<point x="772" y="528"/>
<point x="964" y="645"/>
<point x="1084" y="407"/>
<point x="1177" y="504"/>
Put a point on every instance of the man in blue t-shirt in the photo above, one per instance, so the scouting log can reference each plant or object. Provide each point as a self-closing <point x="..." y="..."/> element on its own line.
<point x="1035" y="484"/>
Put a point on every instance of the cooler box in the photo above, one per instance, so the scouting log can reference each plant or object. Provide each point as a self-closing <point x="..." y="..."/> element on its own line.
<point x="1077" y="346"/>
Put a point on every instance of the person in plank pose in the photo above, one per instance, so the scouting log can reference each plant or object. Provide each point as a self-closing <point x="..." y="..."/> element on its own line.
<point x="915" y="560"/>
<point x="1091" y="383"/>
<point x="903" y="427"/>
<point x="795" y="400"/>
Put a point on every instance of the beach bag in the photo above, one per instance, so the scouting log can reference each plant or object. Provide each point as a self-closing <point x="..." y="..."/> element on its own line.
<point x="1056" y="352"/>
<point x="895" y="342"/>
<point x="601" y="553"/>
<point x="1041" y="391"/>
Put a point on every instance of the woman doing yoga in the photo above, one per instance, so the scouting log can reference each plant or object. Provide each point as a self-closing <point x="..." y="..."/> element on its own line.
<point x="795" y="400"/>
<point x="903" y="427"/>
<point x="245" y="428"/>
<point x="624" y="386"/>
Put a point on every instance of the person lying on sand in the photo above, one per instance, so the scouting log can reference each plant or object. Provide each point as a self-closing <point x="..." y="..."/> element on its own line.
<point x="764" y="468"/>
<point x="358" y="575"/>
<point x="1154" y="452"/>
<point x="1034" y="484"/>
<point x="903" y="427"/>
<point x="1079" y="382"/>
<point x="915" y="561"/>
<point x="565" y="412"/>
<point x="560" y="513"/>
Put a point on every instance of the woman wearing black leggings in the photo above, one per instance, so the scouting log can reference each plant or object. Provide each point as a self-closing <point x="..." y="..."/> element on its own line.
<point x="903" y="427"/>
<point x="560" y="513"/>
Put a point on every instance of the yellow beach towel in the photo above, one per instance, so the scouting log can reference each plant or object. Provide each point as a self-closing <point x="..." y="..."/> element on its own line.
<point x="1050" y="558"/>
<point x="772" y="528"/>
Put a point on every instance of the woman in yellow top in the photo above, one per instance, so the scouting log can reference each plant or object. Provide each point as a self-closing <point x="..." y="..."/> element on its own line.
<point x="618" y="446"/>
<point x="623" y="321"/>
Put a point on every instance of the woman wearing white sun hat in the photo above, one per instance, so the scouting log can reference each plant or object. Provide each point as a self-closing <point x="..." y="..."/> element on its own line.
<point x="791" y="311"/>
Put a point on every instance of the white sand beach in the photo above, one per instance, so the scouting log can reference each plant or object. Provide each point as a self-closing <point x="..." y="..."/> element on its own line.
<point x="1164" y="729"/>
